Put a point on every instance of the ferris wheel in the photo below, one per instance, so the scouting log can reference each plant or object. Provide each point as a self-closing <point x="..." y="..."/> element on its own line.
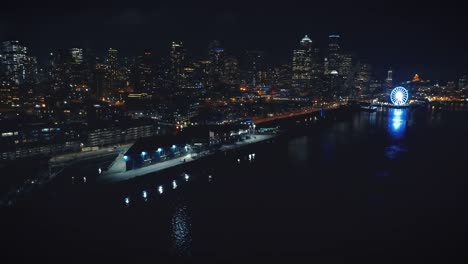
<point x="399" y="96"/>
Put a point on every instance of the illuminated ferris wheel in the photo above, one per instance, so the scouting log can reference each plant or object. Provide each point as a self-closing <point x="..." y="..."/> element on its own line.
<point x="399" y="96"/>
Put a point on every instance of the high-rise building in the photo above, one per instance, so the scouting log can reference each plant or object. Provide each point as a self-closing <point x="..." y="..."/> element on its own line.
<point x="284" y="76"/>
<point x="462" y="82"/>
<point x="302" y="66"/>
<point x="253" y="66"/>
<point x="177" y="61"/>
<point x="9" y="94"/>
<point x="388" y="84"/>
<point x="231" y="71"/>
<point x="113" y="72"/>
<point x="334" y="51"/>
<point x="363" y="78"/>
<point x="112" y="58"/>
<point x="216" y="55"/>
<point x="77" y="55"/>
<point x="101" y="83"/>
<point x="145" y="73"/>
<point x="19" y="67"/>
<point x="345" y="64"/>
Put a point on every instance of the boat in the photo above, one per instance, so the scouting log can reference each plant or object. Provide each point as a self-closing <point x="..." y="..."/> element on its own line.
<point x="369" y="108"/>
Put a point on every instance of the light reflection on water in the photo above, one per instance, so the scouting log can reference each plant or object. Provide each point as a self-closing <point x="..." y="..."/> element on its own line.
<point x="397" y="122"/>
<point x="181" y="231"/>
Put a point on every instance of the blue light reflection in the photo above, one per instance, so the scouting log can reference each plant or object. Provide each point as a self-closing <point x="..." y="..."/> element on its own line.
<point x="397" y="122"/>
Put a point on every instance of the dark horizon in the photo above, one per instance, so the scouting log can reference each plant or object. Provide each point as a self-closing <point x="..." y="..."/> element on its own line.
<point x="409" y="37"/>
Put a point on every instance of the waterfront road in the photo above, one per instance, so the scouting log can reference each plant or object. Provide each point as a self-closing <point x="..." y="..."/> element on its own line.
<point x="67" y="159"/>
<point x="117" y="173"/>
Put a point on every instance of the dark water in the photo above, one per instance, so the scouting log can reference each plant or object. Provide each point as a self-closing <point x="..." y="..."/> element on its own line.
<point x="376" y="187"/>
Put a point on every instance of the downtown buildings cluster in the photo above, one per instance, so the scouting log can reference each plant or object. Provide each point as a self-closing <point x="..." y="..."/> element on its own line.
<point x="79" y="99"/>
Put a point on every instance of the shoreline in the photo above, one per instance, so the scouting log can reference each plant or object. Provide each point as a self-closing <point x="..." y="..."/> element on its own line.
<point x="116" y="177"/>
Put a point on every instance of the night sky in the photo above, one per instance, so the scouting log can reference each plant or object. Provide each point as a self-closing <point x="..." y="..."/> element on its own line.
<point x="422" y="37"/>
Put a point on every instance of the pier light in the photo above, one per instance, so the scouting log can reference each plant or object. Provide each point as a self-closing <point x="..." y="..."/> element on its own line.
<point x="143" y="153"/>
<point x="160" y="150"/>
<point x="173" y="146"/>
<point x="127" y="201"/>
<point x="145" y="194"/>
<point x="125" y="158"/>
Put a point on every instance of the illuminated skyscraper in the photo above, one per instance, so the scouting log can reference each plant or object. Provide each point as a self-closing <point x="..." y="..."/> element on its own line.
<point x="388" y="84"/>
<point x="15" y="61"/>
<point x="231" y="71"/>
<point x="334" y="51"/>
<point x="112" y="72"/>
<point x="363" y="79"/>
<point x="112" y="58"/>
<point x="177" y="59"/>
<point x="302" y="66"/>
<point x="145" y="73"/>
<point x="462" y="82"/>
<point x="77" y="55"/>
<point x="9" y="94"/>
<point x="253" y="66"/>
<point x="216" y="56"/>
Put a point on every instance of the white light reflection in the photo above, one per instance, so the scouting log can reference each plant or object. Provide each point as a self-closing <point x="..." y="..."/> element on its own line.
<point x="181" y="231"/>
<point x="174" y="184"/>
<point x="160" y="189"/>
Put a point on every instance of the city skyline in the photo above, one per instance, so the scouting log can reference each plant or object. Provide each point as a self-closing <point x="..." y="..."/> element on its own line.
<point x="406" y="37"/>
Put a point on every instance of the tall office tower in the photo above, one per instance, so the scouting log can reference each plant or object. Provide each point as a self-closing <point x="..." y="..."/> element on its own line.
<point x="285" y="76"/>
<point x="112" y="58"/>
<point x="253" y="66"/>
<point x="375" y="87"/>
<point x="77" y="55"/>
<point x="101" y="82"/>
<point x="177" y="61"/>
<point x="202" y="70"/>
<point x="388" y="84"/>
<point x="345" y="65"/>
<point x="17" y="65"/>
<point x="462" y="82"/>
<point x="9" y="94"/>
<point x="145" y="73"/>
<point x="216" y="55"/>
<point x="78" y="70"/>
<point x="302" y="66"/>
<point x="345" y="72"/>
<point x="231" y="72"/>
<point x="112" y="74"/>
<point x="363" y="78"/>
<point x="334" y="51"/>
